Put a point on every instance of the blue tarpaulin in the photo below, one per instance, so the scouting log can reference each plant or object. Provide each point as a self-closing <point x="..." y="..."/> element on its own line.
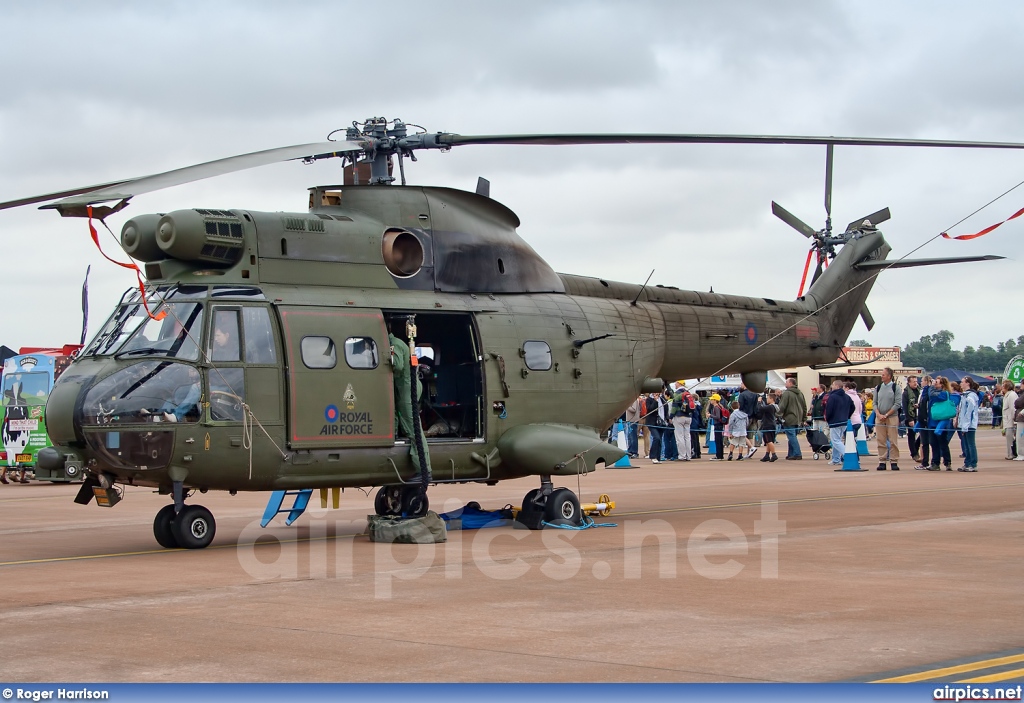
<point x="472" y="517"/>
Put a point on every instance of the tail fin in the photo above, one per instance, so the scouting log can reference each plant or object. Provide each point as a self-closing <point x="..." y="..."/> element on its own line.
<point x="840" y="292"/>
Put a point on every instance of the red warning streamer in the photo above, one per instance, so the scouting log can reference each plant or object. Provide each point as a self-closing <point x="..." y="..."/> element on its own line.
<point x="807" y="265"/>
<point x="138" y="273"/>
<point x="987" y="229"/>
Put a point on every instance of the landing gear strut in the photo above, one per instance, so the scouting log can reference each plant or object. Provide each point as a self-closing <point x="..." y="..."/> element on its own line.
<point x="558" y="506"/>
<point x="409" y="501"/>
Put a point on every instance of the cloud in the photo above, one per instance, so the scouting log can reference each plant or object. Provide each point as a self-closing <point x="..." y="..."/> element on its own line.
<point x="108" y="90"/>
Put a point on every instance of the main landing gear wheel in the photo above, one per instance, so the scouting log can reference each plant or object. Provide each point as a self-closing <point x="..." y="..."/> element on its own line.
<point x="388" y="500"/>
<point x="194" y="527"/>
<point x="562" y="508"/>
<point x="414" y="502"/>
<point x="163" y="528"/>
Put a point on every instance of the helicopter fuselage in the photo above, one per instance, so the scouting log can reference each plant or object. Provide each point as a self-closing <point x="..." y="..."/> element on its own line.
<point x="522" y="367"/>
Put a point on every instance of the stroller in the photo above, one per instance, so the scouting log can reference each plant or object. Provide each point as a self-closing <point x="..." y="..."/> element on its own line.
<point x="820" y="444"/>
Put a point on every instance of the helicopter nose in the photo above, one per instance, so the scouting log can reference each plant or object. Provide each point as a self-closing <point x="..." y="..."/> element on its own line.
<point x="60" y="409"/>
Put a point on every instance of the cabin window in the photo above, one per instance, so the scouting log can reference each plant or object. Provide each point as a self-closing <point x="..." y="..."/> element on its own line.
<point x="227" y="394"/>
<point x="318" y="352"/>
<point x="225" y="342"/>
<point x="361" y="353"/>
<point x="538" y="356"/>
<point x="260" y="343"/>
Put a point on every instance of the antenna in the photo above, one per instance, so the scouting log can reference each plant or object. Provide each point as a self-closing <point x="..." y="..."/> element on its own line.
<point x="642" y="289"/>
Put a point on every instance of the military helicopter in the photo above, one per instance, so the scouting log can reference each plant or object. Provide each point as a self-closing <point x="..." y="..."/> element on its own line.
<point x="264" y="349"/>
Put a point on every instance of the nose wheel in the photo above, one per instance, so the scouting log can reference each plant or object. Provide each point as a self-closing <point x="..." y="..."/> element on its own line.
<point x="192" y="528"/>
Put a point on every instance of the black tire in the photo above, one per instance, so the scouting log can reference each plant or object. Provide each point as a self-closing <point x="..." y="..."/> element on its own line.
<point x="194" y="527"/>
<point x="388" y="500"/>
<point x="163" y="528"/>
<point x="414" y="502"/>
<point x="563" y="508"/>
<point x="529" y="500"/>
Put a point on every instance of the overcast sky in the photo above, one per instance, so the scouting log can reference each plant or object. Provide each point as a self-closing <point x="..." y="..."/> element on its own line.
<point x="99" y="91"/>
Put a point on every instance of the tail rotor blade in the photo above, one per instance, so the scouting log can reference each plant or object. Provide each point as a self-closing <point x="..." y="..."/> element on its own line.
<point x="792" y="220"/>
<point x="876" y="218"/>
<point x="865" y="315"/>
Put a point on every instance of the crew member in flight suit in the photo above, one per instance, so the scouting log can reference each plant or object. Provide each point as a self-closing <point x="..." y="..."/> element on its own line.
<point x="400" y="358"/>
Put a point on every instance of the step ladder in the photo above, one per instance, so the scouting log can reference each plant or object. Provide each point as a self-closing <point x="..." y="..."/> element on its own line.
<point x="277" y="498"/>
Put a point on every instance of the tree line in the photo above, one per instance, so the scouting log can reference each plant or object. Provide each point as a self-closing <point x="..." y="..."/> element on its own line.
<point x="935" y="351"/>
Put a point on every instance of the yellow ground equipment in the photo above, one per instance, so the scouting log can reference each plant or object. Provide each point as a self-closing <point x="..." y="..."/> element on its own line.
<point x="602" y="507"/>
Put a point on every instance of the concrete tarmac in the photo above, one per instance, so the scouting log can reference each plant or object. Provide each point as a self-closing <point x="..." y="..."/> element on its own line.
<point x="731" y="571"/>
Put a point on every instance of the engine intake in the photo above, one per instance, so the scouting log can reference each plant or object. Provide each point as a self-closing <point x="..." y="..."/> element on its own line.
<point x="212" y="236"/>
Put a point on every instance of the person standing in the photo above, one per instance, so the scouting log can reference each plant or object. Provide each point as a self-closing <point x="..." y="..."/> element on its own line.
<point x="682" y="414"/>
<point x="818" y="410"/>
<point x="887" y="404"/>
<point x="716" y="418"/>
<point x="748" y="404"/>
<point x="659" y="424"/>
<point x="941" y="411"/>
<point x="405" y="405"/>
<point x="737" y="431"/>
<point x="767" y="412"/>
<point x="793" y="409"/>
<point x="647" y="408"/>
<point x="1009" y="426"/>
<point x="633" y="413"/>
<point x="696" y="426"/>
<point x="838" y="411"/>
<point x="858" y="406"/>
<point x="967" y="423"/>
<point x="1018" y="419"/>
<point x="923" y="413"/>
<point x="668" y="441"/>
<point x="911" y="394"/>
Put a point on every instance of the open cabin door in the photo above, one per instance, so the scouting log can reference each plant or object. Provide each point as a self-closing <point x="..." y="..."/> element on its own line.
<point x="340" y="391"/>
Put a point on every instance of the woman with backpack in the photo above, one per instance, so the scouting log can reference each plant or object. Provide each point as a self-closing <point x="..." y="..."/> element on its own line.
<point x="941" y="411"/>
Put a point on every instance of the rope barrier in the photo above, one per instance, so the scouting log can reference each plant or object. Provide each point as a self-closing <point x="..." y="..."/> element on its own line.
<point x="587" y="524"/>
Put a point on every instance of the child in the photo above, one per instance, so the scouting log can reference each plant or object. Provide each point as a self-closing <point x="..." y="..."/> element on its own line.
<point x="737" y="430"/>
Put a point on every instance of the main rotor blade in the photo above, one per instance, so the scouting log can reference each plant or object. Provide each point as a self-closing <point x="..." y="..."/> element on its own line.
<point x="53" y="196"/>
<point x="911" y="263"/>
<point x="121" y="190"/>
<point x="828" y="179"/>
<point x="570" y="139"/>
<point x="876" y="218"/>
<point x="792" y="220"/>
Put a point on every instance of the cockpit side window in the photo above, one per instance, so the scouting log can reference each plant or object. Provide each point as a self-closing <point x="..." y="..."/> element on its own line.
<point x="175" y="335"/>
<point x="260" y="341"/>
<point x="225" y="337"/>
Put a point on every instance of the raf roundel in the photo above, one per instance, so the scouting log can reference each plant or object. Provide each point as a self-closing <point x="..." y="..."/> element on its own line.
<point x="751" y="333"/>
<point x="331" y="413"/>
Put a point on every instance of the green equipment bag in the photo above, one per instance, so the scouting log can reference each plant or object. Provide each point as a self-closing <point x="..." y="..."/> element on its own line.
<point x="415" y="530"/>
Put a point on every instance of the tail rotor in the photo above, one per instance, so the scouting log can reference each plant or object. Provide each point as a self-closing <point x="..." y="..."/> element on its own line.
<point x="823" y="241"/>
